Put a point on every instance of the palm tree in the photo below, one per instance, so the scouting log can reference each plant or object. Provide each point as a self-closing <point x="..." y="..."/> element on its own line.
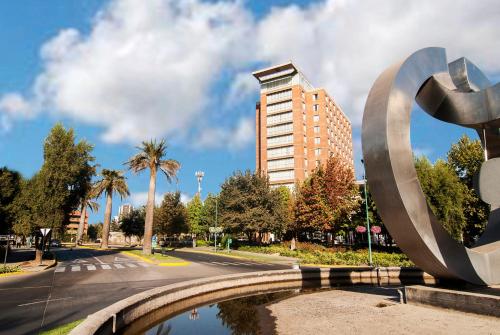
<point x="112" y="181"/>
<point x="86" y="202"/>
<point x="151" y="156"/>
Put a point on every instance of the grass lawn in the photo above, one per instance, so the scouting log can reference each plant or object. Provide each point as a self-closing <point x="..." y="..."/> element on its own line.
<point x="62" y="330"/>
<point x="9" y="269"/>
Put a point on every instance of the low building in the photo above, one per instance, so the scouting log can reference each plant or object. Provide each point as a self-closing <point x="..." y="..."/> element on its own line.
<point x="74" y="221"/>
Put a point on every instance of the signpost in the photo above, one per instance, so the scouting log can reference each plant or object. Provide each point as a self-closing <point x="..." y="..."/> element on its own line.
<point x="215" y="231"/>
<point x="6" y="239"/>
<point x="45" y="232"/>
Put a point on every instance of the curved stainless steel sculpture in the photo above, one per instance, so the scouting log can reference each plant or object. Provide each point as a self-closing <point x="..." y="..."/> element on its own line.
<point x="457" y="93"/>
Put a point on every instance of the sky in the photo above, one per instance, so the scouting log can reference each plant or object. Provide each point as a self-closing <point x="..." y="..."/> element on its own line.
<point x="123" y="71"/>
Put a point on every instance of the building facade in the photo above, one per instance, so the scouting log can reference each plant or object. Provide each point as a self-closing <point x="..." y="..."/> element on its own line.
<point x="124" y="210"/>
<point x="74" y="221"/>
<point x="298" y="127"/>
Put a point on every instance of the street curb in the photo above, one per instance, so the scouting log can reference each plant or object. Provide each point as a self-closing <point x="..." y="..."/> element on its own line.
<point x="175" y="264"/>
<point x="8" y="274"/>
<point x="147" y="260"/>
<point x="153" y="262"/>
<point x="225" y="255"/>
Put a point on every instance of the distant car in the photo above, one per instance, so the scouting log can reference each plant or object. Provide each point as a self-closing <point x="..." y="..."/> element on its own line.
<point x="55" y="243"/>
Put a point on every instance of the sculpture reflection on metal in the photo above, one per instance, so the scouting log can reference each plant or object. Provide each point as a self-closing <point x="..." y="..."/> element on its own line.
<point x="457" y="93"/>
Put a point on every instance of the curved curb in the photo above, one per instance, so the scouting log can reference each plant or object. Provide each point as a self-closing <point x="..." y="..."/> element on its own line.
<point x="16" y="273"/>
<point x="178" y="297"/>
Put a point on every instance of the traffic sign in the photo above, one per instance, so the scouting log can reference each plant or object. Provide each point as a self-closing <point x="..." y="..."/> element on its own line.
<point x="216" y="230"/>
<point x="45" y="231"/>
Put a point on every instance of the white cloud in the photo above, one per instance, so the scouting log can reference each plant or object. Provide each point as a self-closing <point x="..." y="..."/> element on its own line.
<point x="150" y="68"/>
<point x="344" y="45"/>
<point x="139" y="199"/>
<point x="243" y="85"/>
<point x="238" y="137"/>
<point x="146" y="68"/>
<point x="422" y="151"/>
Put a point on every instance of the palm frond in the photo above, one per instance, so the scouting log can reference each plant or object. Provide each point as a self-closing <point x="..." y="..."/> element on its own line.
<point x="170" y="168"/>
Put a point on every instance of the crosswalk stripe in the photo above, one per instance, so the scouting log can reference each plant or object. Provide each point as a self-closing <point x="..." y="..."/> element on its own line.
<point x="144" y="264"/>
<point x="220" y="263"/>
<point x="105" y="267"/>
<point x="131" y="265"/>
<point x="60" y="269"/>
<point x="91" y="267"/>
<point x="75" y="268"/>
<point x="118" y="266"/>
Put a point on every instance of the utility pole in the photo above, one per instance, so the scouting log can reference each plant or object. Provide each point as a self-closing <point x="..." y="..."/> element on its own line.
<point x="370" y="262"/>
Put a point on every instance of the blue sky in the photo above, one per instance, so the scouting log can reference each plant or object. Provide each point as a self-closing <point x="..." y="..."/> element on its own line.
<point x="123" y="71"/>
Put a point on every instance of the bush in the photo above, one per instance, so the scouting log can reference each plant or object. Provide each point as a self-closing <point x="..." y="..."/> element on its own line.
<point x="309" y="253"/>
<point x="9" y="269"/>
<point x="202" y="243"/>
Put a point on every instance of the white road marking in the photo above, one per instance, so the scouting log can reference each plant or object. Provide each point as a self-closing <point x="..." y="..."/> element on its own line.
<point x="121" y="259"/>
<point x="131" y="265"/>
<point x="219" y="263"/>
<point x="146" y="265"/>
<point x="118" y="266"/>
<point x="75" y="268"/>
<point x="60" y="269"/>
<point x="105" y="267"/>
<point x="98" y="260"/>
<point x="91" y="267"/>
<point x="43" y="301"/>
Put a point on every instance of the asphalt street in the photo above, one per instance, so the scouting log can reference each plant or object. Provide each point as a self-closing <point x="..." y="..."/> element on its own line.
<point x="87" y="280"/>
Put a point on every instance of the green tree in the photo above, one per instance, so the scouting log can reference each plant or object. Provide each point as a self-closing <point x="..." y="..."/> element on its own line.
<point x="466" y="157"/>
<point x="63" y="177"/>
<point x="133" y="223"/>
<point x="283" y="209"/>
<point x="112" y="181"/>
<point x="10" y="188"/>
<point x="95" y="231"/>
<point x="445" y="194"/>
<point x="207" y="217"/>
<point x="151" y="156"/>
<point x="247" y="204"/>
<point x="194" y="216"/>
<point x="171" y="216"/>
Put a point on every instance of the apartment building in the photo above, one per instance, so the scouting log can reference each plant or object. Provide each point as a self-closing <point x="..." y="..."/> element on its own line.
<point x="125" y="210"/>
<point x="298" y="126"/>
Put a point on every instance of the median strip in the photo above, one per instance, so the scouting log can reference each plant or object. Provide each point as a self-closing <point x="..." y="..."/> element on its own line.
<point x="156" y="259"/>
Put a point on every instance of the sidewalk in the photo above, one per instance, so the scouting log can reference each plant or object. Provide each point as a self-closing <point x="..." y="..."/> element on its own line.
<point x="24" y="258"/>
<point x="267" y="258"/>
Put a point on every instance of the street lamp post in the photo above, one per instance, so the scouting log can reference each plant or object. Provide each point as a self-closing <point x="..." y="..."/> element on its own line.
<point x="370" y="262"/>
<point x="215" y="234"/>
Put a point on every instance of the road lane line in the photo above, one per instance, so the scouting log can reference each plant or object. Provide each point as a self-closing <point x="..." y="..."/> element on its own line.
<point x="131" y="265"/>
<point x="105" y="267"/>
<point x="91" y="267"/>
<point x="43" y="301"/>
<point x="219" y="263"/>
<point x="118" y="266"/>
<point x="75" y="268"/>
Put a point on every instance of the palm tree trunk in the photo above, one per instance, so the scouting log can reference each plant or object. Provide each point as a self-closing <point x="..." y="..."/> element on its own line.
<point x="81" y="224"/>
<point x="148" y="224"/>
<point x="107" y="220"/>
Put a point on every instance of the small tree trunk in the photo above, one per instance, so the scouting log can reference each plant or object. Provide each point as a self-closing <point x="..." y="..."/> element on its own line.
<point x="107" y="220"/>
<point x="38" y="251"/>
<point x="81" y="224"/>
<point x="150" y="206"/>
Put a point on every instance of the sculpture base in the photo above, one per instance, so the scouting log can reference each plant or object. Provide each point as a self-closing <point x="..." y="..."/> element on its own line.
<point x="470" y="299"/>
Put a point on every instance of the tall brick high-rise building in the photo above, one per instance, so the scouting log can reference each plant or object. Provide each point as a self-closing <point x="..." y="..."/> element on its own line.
<point x="298" y="127"/>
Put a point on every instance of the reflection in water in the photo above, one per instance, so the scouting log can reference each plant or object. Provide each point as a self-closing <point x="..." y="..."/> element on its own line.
<point x="243" y="316"/>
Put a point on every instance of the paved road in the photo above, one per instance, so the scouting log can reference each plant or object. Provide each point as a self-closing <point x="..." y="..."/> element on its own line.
<point x="85" y="281"/>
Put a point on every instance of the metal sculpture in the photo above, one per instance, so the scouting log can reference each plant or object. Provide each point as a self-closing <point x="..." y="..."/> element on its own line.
<point x="457" y="93"/>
